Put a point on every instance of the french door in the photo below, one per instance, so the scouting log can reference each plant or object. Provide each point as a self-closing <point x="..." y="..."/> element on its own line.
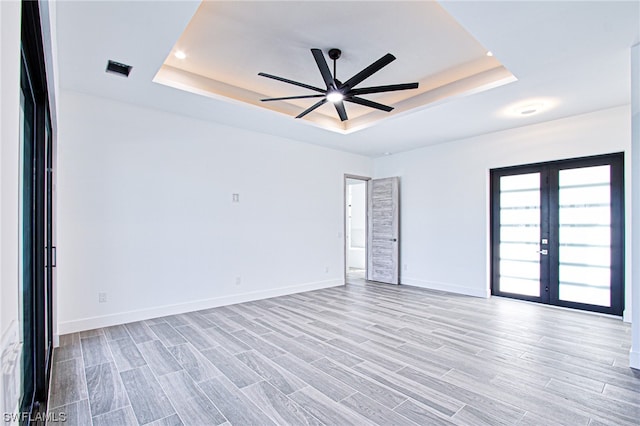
<point x="557" y="233"/>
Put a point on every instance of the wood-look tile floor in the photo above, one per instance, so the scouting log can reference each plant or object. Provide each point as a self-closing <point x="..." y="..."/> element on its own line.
<point x="354" y="355"/>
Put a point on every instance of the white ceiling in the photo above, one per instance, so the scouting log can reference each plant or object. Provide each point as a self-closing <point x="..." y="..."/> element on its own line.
<point x="573" y="56"/>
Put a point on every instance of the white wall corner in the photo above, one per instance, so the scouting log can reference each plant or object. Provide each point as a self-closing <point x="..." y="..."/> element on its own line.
<point x="634" y="359"/>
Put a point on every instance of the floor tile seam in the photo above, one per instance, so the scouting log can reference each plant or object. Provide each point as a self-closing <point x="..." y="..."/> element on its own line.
<point x="617" y="399"/>
<point x="585" y="409"/>
<point x="164" y="391"/>
<point x="115" y="409"/>
<point x="86" y="385"/>
<point x="51" y="407"/>
<point x="573" y="356"/>
<point x="287" y="396"/>
<point x="204" y="395"/>
<point x="587" y="391"/>
<point x="365" y="377"/>
<point x="409" y="421"/>
<point x="113" y="359"/>
<point x="321" y="374"/>
<point x="585" y="375"/>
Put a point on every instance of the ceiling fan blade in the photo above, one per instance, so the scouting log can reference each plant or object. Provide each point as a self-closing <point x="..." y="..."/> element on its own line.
<point x="292" y="97"/>
<point x="341" y="111"/>
<point x="324" y="69"/>
<point x="295" y="83"/>
<point x="380" y="89"/>
<point x="368" y="103"/>
<point x="369" y="71"/>
<point x="314" y="106"/>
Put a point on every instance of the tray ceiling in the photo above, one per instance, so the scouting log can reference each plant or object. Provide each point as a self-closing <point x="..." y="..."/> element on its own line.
<point x="226" y="45"/>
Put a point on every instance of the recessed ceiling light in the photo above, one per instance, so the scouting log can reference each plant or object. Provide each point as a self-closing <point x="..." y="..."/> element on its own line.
<point x="387" y="153"/>
<point x="529" y="109"/>
<point x="335" y="97"/>
<point x="489" y="53"/>
<point x="180" y="54"/>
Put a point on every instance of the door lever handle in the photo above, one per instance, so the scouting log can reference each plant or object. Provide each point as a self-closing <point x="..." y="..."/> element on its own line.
<point x="393" y="239"/>
<point x="543" y="252"/>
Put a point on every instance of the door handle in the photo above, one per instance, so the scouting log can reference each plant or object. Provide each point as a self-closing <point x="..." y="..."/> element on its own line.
<point x="543" y="252"/>
<point x="393" y="239"/>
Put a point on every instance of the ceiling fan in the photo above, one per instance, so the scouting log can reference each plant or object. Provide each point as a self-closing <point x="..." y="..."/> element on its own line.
<point x="336" y="91"/>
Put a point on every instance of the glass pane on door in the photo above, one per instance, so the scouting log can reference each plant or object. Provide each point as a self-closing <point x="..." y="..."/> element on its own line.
<point x="520" y="234"/>
<point x="584" y="200"/>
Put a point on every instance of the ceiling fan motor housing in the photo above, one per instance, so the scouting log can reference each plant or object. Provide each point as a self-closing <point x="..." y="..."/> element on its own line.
<point x="335" y="53"/>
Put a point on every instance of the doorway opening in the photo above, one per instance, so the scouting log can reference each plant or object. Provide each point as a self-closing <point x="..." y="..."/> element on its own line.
<point x="355" y="214"/>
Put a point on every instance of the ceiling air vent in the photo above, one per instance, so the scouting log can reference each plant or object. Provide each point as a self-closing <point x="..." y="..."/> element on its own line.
<point x="118" y="68"/>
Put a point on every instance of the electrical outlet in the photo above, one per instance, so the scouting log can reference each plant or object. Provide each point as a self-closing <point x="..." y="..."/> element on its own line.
<point x="405" y="267"/>
<point x="326" y="269"/>
<point x="238" y="280"/>
<point x="102" y="297"/>
<point x="235" y="198"/>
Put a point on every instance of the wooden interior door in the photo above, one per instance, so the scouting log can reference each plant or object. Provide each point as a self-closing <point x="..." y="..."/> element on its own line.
<point x="383" y="233"/>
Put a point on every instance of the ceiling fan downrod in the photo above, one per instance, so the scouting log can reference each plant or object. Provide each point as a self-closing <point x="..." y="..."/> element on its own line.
<point x="335" y="55"/>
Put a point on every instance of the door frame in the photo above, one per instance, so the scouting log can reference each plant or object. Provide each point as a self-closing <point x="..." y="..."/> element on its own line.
<point x="33" y="397"/>
<point x="616" y="160"/>
<point x="366" y="180"/>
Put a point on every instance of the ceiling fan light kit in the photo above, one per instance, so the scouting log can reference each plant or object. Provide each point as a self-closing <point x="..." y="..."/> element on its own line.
<point x="337" y="92"/>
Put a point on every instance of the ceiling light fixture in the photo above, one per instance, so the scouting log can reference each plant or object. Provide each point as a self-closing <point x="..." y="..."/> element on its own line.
<point x="335" y="97"/>
<point x="489" y="53"/>
<point x="337" y="91"/>
<point x="529" y="109"/>
<point x="180" y="54"/>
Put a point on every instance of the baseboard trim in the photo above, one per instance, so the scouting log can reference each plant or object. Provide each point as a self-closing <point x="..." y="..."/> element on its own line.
<point x="634" y="359"/>
<point x="450" y="288"/>
<point x="83" y="324"/>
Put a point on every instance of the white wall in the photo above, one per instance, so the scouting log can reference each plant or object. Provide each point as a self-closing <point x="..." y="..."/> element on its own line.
<point x="9" y="184"/>
<point x="145" y="213"/>
<point x="634" y="353"/>
<point x="445" y="193"/>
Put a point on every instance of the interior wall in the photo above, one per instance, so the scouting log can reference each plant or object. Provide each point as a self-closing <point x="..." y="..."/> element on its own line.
<point x="146" y="213"/>
<point x="445" y="194"/>
<point x="9" y="201"/>
<point x="634" y="353"/>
